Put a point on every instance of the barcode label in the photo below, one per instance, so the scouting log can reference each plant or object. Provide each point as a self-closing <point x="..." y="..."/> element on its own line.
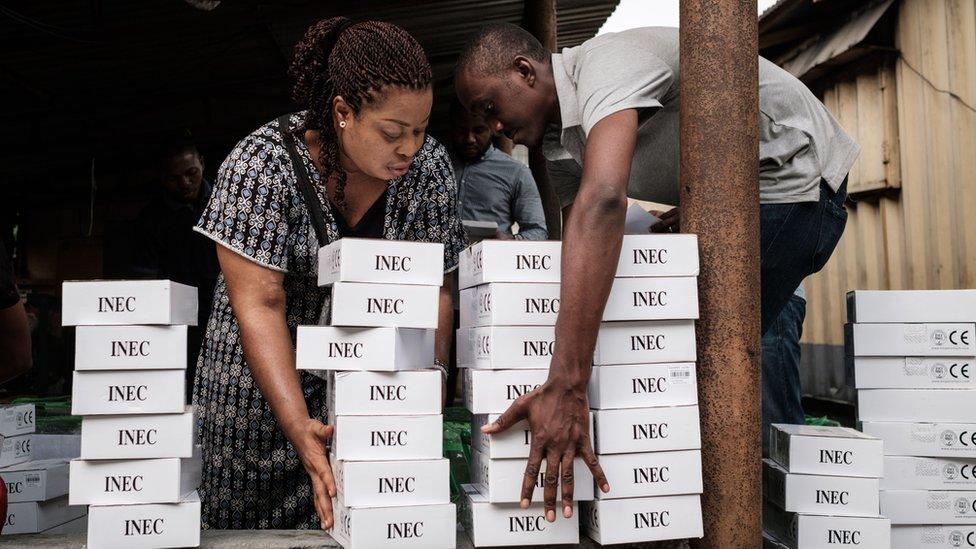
<point x="678" y="375"/>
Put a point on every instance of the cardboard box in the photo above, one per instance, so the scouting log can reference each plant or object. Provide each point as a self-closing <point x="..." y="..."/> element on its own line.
<point x="380" y="438"/>
<point x="922" y="405"/>
<point x="500" y="480"/>
<point x="36" y="480"/>
<point x="14" y="450"/>
<point x="114" y="392"/>
<point x="929" y="507"/>
<point x="647" y="430"/>
<point x="510" y="261"/>
<point x="416" y="526"/>
<point x="506" y="347"/>
<point x="933" y="537"/>
<point x="883" y="372"/>
<point x="385" y="393"/>
<point x="380" y="349"/>
<point x="139" y="436"/>
<point x="911" y="306"/>
<point x="31" y="517"/>
<point x="132" y="481"/>
<point x="390" y="305"/>
<point x="645" y="342"/>
<point x="493" y="391"/>
<point x="652" y="298"/>
<point x="48" y="446"/>
<point x="650" y="474"/>
<point x="381" y="261"/>
<point x="925" y="439"/>
<point x="509" y="304"/>
<point x="19" y="419"/>
<point x="643" y="255"/>
<point x="643" y="385"/>
<point x="123" y="302"/>
<point x="910" y="340"/>
<point x="924" y="473"/>
<point x="820" y="494"/>
<point x="130" y="348"/>
<point x="513" y="443"/>
<point x="838" y="451"/>
<point x="508" y="525"/>
<point x="635" y="520"/>
<point x="392" y="483"/>
<point x="76" y="526"/>
<point x="802" y="531"/>
<point x="148" y="525"/>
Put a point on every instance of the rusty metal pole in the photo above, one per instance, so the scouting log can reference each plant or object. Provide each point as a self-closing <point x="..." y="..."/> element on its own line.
<point x="720" y="202"/>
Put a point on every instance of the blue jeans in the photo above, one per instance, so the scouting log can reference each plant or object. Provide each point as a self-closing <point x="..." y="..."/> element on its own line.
<point x="781" y="395"/>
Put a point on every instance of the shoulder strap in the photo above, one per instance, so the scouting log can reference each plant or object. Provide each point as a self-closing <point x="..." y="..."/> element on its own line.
<point x="304" y="181"/>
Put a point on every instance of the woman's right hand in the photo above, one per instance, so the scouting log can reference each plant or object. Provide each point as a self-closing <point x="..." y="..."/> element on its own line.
<point x="310" y="438"/>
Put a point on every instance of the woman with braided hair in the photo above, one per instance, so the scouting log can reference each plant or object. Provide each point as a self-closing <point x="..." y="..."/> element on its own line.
<point x="356" y="162"/>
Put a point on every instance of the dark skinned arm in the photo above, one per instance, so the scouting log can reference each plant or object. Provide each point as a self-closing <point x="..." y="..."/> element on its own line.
<point x="558" y="410"/>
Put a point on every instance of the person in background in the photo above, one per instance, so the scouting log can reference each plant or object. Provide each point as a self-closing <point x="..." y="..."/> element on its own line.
<point x="493" y="186"/>
<point x="166" y="247"/>
<point x="15" y="338"/>
<point x="781" y="366"/>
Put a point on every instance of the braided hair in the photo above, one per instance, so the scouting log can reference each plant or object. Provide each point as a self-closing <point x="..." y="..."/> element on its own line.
<point x="355" y="61"/>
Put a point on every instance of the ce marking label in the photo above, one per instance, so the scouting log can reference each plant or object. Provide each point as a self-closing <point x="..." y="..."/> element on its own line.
<point x="959" y="337"/>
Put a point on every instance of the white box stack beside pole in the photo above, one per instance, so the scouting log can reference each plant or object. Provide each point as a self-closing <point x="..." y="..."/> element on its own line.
<point x="384" y="396"/>
<point x="140" y="466"/>
<point x="912" y="355"/>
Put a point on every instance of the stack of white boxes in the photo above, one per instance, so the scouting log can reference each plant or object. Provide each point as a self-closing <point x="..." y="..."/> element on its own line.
<point x="139" y="466"/>
<point x="821" y="488"/>
<point x="643" y="391"/>
<point x="37" y="490"/>
<point x="384" y="396"/>
<point x="913" y="355"/>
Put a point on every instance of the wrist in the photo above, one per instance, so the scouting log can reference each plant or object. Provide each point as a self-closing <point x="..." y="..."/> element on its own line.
<point x="569" y="374"/>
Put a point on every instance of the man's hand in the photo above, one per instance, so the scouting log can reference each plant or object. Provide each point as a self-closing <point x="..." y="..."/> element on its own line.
<point x="503" y="235"/>
<point x="559" y="419"/>
<point x="670" y="221"/>
<point x="310" y="439"/>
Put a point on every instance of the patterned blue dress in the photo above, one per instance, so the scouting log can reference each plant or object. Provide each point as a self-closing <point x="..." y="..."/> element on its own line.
<point x="252" y="477"/>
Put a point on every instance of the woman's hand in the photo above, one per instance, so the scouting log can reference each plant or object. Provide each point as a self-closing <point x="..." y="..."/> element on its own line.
<point x="310" y="439"/>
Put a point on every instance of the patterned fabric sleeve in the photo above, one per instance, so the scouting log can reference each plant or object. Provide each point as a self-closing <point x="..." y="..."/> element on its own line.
<point x="444" y="220"/>
<point x="247" y="212"/>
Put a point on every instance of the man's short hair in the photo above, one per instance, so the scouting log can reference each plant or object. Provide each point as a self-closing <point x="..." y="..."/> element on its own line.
<point x="176" y="145"/>
<point x="491" y="49"/>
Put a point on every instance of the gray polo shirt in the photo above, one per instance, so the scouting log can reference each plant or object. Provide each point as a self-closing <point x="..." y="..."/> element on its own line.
<point x="800" y="143"/>
<point x="498" y="188"/>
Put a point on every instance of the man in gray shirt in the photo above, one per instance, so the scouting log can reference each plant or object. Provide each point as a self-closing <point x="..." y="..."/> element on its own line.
<point x="493" y="186"/>
<point x="606" y="114"/>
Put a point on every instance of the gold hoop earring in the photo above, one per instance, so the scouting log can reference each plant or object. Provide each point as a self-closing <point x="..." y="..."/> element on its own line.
<point x="342" y="123"/>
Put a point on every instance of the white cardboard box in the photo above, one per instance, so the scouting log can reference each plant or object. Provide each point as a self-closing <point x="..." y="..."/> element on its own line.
<point x="123" y="302"/>
<point x="138" y="436"/>
<point x="925" y="439"/>
<point x="509" y="304"/>
<point x="609" y="521"/>
<point x="114" y="392"/>
<point x="392" y="483"/>
<point x="910" y="339"/>
<point x="384" y="349"/>
<point x="130" y="348"/>
<point x="911" y="306"/>
<point x="647" y="430"/>
<point x="493" y="391"/>
<point x="391" y="305"/>
<point x="802" y="531"/>
<point x="928" y="405"/>
<point x="14" y="450"/>
<point x="510" y="261"/>
<point x="652" y="298"/>
<point x="411" y="527"/>
<point x="381" y="438"/>
<point x="895" y="372"/>
<point x="814" y="450"/>
<point x="385" y="393"/>
<point x="924" y="473"/>
<point x="55" y="446"/>
<point x="148" y="525"/>
<point x="933" y="537"/>
<point x="643" y="385"/>
<point x="929" y="507"/>
<point x="36" y="480"/>
<point x="649" y="474"/>
<point x="508" y="525"/>
<point x="19" y="419"/>
<point x="505" y="347"/>
<point x="381" y="261"/>
<point x="31" y="517"/>
<point x="76" y="526"/>
<point x="643" y="255"/>
<point x="132" y="481"/>
<point x="820" y="494"/>
<point x="500" y="480"/>
<point x="513" y="443"/>
<point x="645" y="342"/>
